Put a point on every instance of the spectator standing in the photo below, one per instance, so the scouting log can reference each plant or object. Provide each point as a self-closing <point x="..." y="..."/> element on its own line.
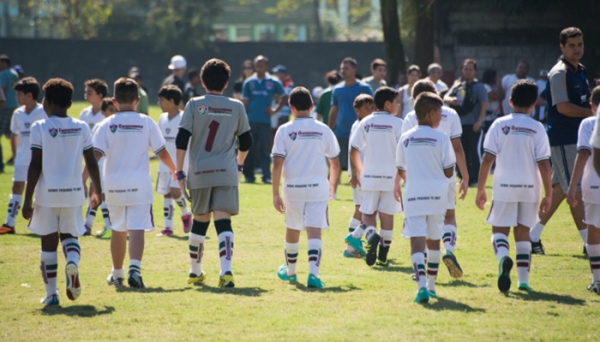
<point x="177" y="66"/>
<point x="493" y="87"/>
<point x="20" y="71"/>
<point x="8" y="77"/>
<point x="324" y="104"/>
<point x="247" y="71"/>
<point x="190" y="86"/>
<point x="378" y="73"/>
<point x="144" y="104"/>
<point x="541" y="103"/>
<point x="413" y="73"/>
<point x="434" y="74"/>
<point x="509" y="80"/>
<point x="402" y="80"/>
<point x="288" y="84"/>
<point x="469" y="98"/>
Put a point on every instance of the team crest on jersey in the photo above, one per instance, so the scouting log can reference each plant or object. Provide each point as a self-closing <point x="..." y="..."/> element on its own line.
<point x="293" y="136"/>
<point x="53" y="132"/>
<point x="203" y="110"/>
<point x="506" y="130"/>
<point x="113" y="128"/>
<point x="367" y="128"/>
<point x="269" y="85"/>
<point x="406" y="143"/>
<point x="27" y="125"/>
<point x="168" y="130"/>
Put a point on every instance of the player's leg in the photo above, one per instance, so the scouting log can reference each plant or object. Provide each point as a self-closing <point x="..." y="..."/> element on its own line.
<point x="118" y="245"/>
<point x="449" y="239"/>
<point x="168" y="215"/>
<point x="44" y="223"/>
<point x="139" y="221"/>
<point x="16" y="198"/>
<point x="70" y="228"/>
<point x="90" y="215"/>
<point x="502" y="216"/>
<point x="558" y="196"/>
<point x="435" y="231"/>
<point x="315" y="219"/>
<point x="368" y="208"/>
<point x="578" y="214"/>
<point x="226" y="240"/>
<point x="355" y="223"/>
<point x="294" y="221"/>
<point x="526" y="217"/>
<point x="592" y="218"/>
<point x="224" y="203"/>
<point x="387" y="208"/>
<point x="415" y="228"/>
<point x="186" y="216"/>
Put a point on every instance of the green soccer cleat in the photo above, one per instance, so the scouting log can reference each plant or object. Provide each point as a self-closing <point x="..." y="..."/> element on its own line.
<point x="525" y="287"/>
<point x="314" y="282"/>
<point x="432" y="294"/>
<point x="382" y="259"/>
<point x="226" y="280"/>
<point x="422" y="296"/>
<point x="195" y="279"/>
<point x="282" y="274"/>
<point x="106" y="234"/>
<point x="504" y="268"/>
<point x="453" y="267"/>
<point x="383" y="263"/>
<point x="355" y="243"/>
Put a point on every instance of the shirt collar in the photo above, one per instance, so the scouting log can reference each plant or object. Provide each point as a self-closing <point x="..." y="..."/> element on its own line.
<point x="381" y="112"/>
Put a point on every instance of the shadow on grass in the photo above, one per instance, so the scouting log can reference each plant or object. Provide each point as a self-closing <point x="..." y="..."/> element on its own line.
<point x="549" y="297"/>
<point x="441" y="304"/>
<point x="30" y="235"/>
<point x="77" y="311"/>
<point x="393" y="267"/>
<point x="460" y="283"/>
<point x="236" y="291"/>
<point x="337" y="289"/>
<point x="150" y="290"/>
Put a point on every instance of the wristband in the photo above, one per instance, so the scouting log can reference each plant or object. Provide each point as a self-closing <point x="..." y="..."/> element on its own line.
<point x="180" y="175"/>
<point x="241" y="168"/>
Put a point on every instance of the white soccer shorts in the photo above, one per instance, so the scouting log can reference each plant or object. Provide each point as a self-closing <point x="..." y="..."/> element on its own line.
<point x="131" y="217"/>
<point x="429" y="226"/>
<point x="67" y="220"/>
<point x="382" y="201"/>
<point x="299" y="215"/>
<point x="357" y="195"/>
<point x="20" y="173"/>
<point x="509" y="214"/>
<point x="164" y="183"/>
<point x="592" y="214"/>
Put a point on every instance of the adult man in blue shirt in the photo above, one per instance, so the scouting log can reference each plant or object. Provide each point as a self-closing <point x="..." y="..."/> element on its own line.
<point x="568" y="96"/>
<point x="258" y="93"/>
<point x="8" y="77"/>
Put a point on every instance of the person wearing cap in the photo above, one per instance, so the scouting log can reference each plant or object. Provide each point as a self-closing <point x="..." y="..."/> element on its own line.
<point x="20" y="71"/>
<point x="177" y="66"/>
<point x="541" y="103"/>
<point x="8" y="77"/>
<point x="434" y="74"/>
<point x="509" y="80"/>
<point x="144" y="104"/>
<point x="378" y="73"/>
<point x="286" y="80"/>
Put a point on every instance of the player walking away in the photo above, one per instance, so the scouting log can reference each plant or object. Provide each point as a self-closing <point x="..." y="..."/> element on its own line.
<point x="363" y="105"/>
<point x="425" y="160"/>
<point x="28" y="90"/>
<point x="123" y="140"/>
<point x="590" y="185"/>
<point x="519" y="146"/>
<point x="450" y="125"/>
<point x="57" y="146"/>
<point x="377" y="137"/>
<point x="378" y="72"/>
<point x="169" y="98"/>
<point x="299" y="154"/>
<point x="213" y="122"/>
<point x="95" y="90"/>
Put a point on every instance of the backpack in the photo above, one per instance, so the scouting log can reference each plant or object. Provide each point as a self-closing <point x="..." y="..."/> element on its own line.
<point x="465" y="91"/>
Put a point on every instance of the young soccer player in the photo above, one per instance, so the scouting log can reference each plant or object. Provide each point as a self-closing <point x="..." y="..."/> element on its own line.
<point x="95" y="91"/>
<point x="377" y="137"/>
<point x="590" y="185"/>
<point x="299" y="153"/>
<point x="27" y="90"/>
<point x="519" y="146"/>
<point x="169" y="98"/>
<point x="450" y="125"/>
<point x="363" y="106"/>
<point x="425" y="160"/>
<point x="123" y="140"/>
<point x="215" y="124"/>
<point x="57" y="146"/>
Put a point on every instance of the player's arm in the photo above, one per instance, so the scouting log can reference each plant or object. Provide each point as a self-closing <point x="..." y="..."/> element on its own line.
<point x="546" y="173"/>
<point x="448" y="172"/>
<point x="572" y="110"/>
<point x="276" y="174"/>
<point x="461" y="162"/>
<point x="356" y="163"/>
<point x="334" y="173"/>
<point x="91" y="164"/>
<point x="484" y="170"/>
<point x="181" y="143"/>
<point x="245" y="142"/>
<point x="582" y="157"/>
<point x="14" y="141"/>
<point x="282" y="102"/>
<point x="33" y="176"/>
<point x="482" y="111"/>
<point x="451" y="99"/>
<point x="333" y="113"/>
<point x="166" y="159"/>
<point x="398" y="186"/>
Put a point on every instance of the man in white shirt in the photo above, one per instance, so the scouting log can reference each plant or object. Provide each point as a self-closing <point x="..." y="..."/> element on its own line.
<point x="509" y="80"/>
<point x="434" y="74"/>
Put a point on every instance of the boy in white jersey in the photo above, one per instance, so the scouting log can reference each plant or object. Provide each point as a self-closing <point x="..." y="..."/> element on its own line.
<point x="450" y="125"/>
<point x="169" y="97"/>
<point x="590" y="187"/>
<point x="95" y="91"/>
<point x="425" y="160"/>
<point x="519" y="146"/>
<point x="215" y="124"/>
<point x="377" y="137"/>
<point x="57" y="146"/>
<point x="28" y="90"/>
<point x="363" y="106"/>
<point x="299" y="153"/>
<point x="123" y="140"/>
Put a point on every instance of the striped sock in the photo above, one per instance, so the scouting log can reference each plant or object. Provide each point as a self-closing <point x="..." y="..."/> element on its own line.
<point x="500" y="243"/>
<point x="90" y="217"/>
<point x="418" y="261"/>
<point x="386" y="237"/>
<point x="354" y="223"/>
<point x="118" y="273"/>
<point x="13" y="209"/>
<point x="49" y="266"/>
<point x="314" y="256"/>
<point x="594" y="257"/>
<point x="432" y="269"/>
<point x="168" y="211"/>
<point x="291" y="256"/>
<point x="449" y="238"/>
<point x="182" y="205"/>
<point x="523" y="260"/>
<point x="225" y="244"/>
<point x="359" y="231"/>
<point x="196" y="244"/>
<point x="106" y="216"/>
<point x="583" y="234"/>
<point x="72" y="250"/>
<point x="135" y="266"/>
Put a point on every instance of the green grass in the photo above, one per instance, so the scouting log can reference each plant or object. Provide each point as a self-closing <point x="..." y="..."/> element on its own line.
<point x="359" y="303"/>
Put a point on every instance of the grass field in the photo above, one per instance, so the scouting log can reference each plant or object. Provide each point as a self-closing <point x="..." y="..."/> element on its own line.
<point x="359" y="303"/>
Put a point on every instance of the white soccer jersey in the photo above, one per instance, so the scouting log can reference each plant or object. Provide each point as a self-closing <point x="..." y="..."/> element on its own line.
<point x="377" y="136"/>
<point x="518" y="142"/>
<point x="20" y="125"/>
<point x="590" y="182"/>
<point x="169" y="128"/>
<point x="424" y="153"/>
<point x="90" y="118"/>
<point x="62" y="141"/>
<point x="355" y="125"/>
<point x="123" y="139"/>
<point x="304" y="143"/>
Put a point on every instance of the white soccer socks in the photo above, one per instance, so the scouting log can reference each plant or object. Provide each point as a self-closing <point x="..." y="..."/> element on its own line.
<point x="314" y="256"/>
<point x="135" y="266"/>
<point x="225" y="233"/>
<point x="182" y="205"/>
<point x="367" y="233"/>
<point x="291" y="256"/>
<point x="13" y="209"/>
<point x="105" y="216"/>
<point x="118" y="273"/>
<point x="433" y="263"/>
<point x="523" y="261"/>
<point x="196" y="246"/>
<point x="386" y="237"/>
<point x="168" y="212"/>
<point x="594" y="257"/>
<point x="449" y="238"/>
<point x="500" y="243"/>
<point x="72" y="250"/>
<point x="536" y="232"/>
<point x="49" y="267"/>
<point x="418" y="262"/>
<point x="90" y="217"/>
<point x="354" y="223"/>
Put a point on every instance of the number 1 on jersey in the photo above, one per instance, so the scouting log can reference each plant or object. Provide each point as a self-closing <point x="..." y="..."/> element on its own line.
<point x="212" y="134"/>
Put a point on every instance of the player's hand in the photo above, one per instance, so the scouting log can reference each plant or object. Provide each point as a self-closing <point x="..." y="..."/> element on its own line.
<point x="481" y="199"/>
<point x="571" y="198"/>
<point x="545" y="204"/>
<point x="240" y="172"/>
<point x="27" y="210"/>
<point x="354" y="182"/>
<point x="270" y="111"/>
<point x="463" y="188"/>
<point x="398" y="192"/>
<point x="278" y="204"/>
<point x="95" y="200"/>
<point x="477" y="126"/>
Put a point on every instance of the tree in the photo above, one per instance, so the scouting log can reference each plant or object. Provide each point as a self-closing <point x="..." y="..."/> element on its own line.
<point x="424" y="40"/>
<point x="394" y="49"/>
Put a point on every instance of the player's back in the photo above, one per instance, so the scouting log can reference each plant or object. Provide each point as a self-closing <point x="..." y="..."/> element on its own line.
<point x="450" y="123"/>
<point x="88" y="116"/>
<point x="21" y="125"/>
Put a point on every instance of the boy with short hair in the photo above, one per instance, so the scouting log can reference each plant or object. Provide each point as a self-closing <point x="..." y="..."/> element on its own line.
<point x="590" y="185"/>
<point x="215" y="124"/>
<point x="299" y="153"/>
<point x="123" y="140"/>
<point x="169" y="97"/>
<point x="28" y="90"/>
<point x="57" y="146"/>
<point x="363" y="106"/>
<point x="377" y="136"/>
<point x="519" y="146"/>
<point x="425" y="160"/>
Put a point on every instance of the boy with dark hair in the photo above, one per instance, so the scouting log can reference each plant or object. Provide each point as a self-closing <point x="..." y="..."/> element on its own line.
<point x="123" y="139"/>
<point x="215" y="125"/>
<point x="169" y="97"/>
<point x="28" y="90"/>
<point x="377" y="137"/>
<point x="299" y="153"/>
<point x="190" y="86"/>
<point x="590" y="185"/>
<point x="378" y="72"/>
<point x="57" y="146"/>
<point x="516" y="142"/>
<point x="425" y="161"/>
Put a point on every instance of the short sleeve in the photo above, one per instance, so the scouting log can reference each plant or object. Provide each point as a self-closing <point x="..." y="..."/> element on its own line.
<point x="400" y="154"/>
<point x="334" y="97"/>
<point x="558" y="87"/>
<point x="449" y="157"/>
<point x="584" y="136"/>
<point x="333" y="148"/>
<point x="399" y="130"/>
<point x="187" y="119"/>
<point x="542" y="145"/>
<point x="246" y="90"/>
<point x="455" y="127"/>
<point x="279" y="88"/>
<point x="482" y="94"/>
<point x="243" y="124"/>
<point x="279" y="149"/>
<point x="87" y="138"/>
<point x="595" y="139"/>
<point x="14" y="126"/>
<point x="99" y="139"/>
<point x="358" y="139"/>
<point x="490" y="144"/>
<point x="157" y="141"/>
<point x="35" y="136"/>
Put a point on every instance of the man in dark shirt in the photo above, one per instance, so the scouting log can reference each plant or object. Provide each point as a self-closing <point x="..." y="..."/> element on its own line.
<point x="177" y="66"/>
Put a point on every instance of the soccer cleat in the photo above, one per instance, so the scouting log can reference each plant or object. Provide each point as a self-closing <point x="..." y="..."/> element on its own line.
<point x="50" y="300"/>
<point x="187" y="222"/>
<point x="382" y="259"/>
<point x="165" y="232"/>
<point x="504" y="268"/>
<point x="383" y="263"/>
<point x="355" y="243"/>
<point x="135" y="281"/>
<point x="88" y="230"/>
<point x="226" y="280"/>
<point x="422" y="296"/>
<point x="453" y="267"/>
<point x="314" y="282"/>
<point x="525" y="287"/>
<point x="594" y="287"/>
<point x="107" y="234"/>
<point x="282" y="274"/>
<point x="537" y="248"/>
<point x="6" y="229"/>
<point x="352" y="255"/>
<point x="114" y="281"/>
<point x="73" y="285"/>
<point x="372" y="245"/>
<point x="432" y="294"/>
<point x="196" y="280"/>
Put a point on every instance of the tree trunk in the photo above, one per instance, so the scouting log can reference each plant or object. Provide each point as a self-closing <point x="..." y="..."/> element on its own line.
<point x="317" y="17"/>
<point x="424" y="35"/>
<point x="394" y="49"/>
